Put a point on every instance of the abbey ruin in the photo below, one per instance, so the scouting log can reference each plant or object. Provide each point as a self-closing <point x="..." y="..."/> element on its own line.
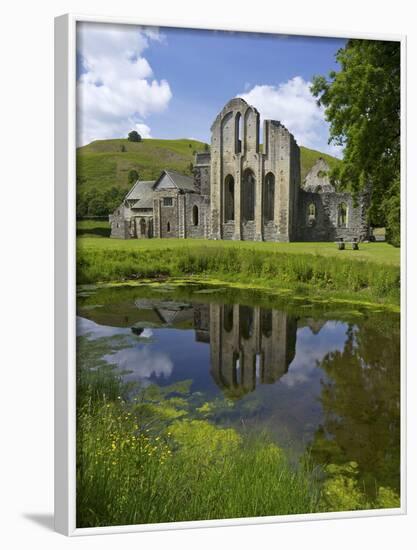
<point x="242" y="190"/>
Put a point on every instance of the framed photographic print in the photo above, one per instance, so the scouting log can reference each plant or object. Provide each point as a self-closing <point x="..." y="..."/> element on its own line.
<point x="229" y="290"/>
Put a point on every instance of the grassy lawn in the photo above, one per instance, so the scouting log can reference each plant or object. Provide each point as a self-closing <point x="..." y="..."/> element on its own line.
<point x="308" y="270"/>
<point x="381" y="253"/>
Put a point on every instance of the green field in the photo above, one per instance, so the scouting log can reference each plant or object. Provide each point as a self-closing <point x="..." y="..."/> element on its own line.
<point x="370" y="274"/>
<point x="102" y="165"/>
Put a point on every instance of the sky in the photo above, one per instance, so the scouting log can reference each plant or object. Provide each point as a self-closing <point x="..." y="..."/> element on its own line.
<point x="171" y="83"/>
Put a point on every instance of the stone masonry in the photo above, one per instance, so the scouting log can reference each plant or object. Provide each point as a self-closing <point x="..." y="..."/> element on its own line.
<point x="243" y="190"/>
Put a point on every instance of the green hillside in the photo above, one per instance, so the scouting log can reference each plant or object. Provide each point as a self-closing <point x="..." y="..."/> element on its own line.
<point x="308" y="158"/>
<point x="103" y="167"/>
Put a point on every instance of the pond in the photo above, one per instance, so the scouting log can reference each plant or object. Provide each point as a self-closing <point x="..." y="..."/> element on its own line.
<point x="321" y="381"/>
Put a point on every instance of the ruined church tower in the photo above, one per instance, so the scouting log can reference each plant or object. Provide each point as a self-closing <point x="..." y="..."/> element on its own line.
<point x="253" y="187"/>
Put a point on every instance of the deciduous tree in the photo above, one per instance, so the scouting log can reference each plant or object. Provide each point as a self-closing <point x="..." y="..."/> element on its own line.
<point x="362" y="104"/>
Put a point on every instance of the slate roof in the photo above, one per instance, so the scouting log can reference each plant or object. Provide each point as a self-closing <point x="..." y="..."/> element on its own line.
<point x="142" y="193"/>
<point x="181" y="182"/>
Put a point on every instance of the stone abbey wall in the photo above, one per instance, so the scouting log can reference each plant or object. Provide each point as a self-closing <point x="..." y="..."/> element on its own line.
<point x="326" y="225"/>
<point x="244" y="190"/>
<point x="253" y="191"/>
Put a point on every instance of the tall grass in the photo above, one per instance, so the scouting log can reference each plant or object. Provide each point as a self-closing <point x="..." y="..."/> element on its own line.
<point x="191" y="470"/>
<point x="95" y="264"/>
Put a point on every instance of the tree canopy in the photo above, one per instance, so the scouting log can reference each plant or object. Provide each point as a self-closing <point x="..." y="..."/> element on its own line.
<point x="362" y="104"/>
<point x="134" y="136"/>
<point x="132" y="176"/>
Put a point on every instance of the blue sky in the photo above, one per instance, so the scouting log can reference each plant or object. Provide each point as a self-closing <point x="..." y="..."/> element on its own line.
<point x="171" y="83"/>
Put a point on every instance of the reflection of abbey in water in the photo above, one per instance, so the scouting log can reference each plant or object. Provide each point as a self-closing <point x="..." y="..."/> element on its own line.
<point x="247" y="344"/>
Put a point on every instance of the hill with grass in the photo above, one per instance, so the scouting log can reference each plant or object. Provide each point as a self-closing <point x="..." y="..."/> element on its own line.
<point x="103" y="167"/>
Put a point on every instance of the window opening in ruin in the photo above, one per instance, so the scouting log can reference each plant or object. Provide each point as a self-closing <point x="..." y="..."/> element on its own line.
<point x="229" y="199"/>
<point x="311" y="211"/>
<point x="238" y="133"/>
<point x="195" y="214"/>
<point x="248" y="195"/>
<point x="269" y="197"/>
<point x="342" y="215"/>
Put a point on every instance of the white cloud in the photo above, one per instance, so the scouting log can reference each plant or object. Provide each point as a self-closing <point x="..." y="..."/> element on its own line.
<point x="142" y="362"/>
<point x="117" y="89"/>
<point x="293" y="104"/>
<point x="143" y="130"/>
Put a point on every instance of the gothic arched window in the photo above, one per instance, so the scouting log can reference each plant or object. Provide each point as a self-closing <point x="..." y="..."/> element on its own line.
<point x="195" y="215"/>
<point x="238" y="133"/>
<point x="248" y="195"/>
<point x="269" y="197"/>
<point x="229" y="199"/>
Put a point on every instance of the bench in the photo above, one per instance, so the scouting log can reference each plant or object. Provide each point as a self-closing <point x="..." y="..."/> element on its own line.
<point x="341" y="244"/>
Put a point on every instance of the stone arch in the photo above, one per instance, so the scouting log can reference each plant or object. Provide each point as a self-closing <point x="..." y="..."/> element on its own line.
<point x="248" y="195"/>
<point x="195" y="215"/>
<point x="142" y="226"/>
<point x="229" y="198"/>
<point x="342" y="215"/>
<point x="269" y="197"/>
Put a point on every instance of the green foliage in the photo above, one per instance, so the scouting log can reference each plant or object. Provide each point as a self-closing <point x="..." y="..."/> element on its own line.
<point x="341" y="491"/>
<point x="134" y="136"/>
<point x="95" y="202"/>
<point x="362" y="103"/>
<point x="132" y="176"/>
<point x="104" y="164"/>
<point x="387" y="498"/>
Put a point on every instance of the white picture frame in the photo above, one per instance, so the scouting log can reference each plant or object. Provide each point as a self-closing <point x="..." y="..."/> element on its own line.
<point x="65" y="280"/>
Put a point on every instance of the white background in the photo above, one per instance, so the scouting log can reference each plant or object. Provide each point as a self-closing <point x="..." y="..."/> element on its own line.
<point x="26" y="255"/>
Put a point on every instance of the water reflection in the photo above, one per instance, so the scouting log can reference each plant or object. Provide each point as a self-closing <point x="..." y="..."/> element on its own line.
<point x="248" y="345"/>
<point x="329" y="385"/>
